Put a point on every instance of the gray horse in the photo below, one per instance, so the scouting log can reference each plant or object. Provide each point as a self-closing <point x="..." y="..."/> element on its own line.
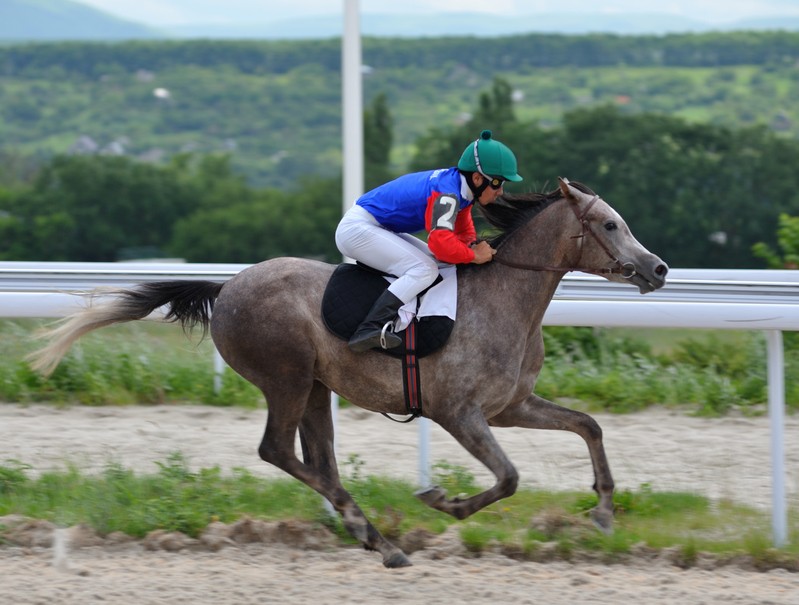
<point x="266" y="324"/>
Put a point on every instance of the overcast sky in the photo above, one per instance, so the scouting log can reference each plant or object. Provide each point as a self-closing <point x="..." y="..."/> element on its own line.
<point x="181" y="12"/>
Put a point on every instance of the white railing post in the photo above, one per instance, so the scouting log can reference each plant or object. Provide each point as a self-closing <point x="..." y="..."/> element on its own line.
<point x="424" y="452"/>
<point x="776" y="410"/>
<point x="219" y="368"/>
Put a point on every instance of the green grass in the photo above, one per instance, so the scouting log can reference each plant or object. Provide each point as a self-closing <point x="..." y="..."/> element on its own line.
<point x="177" y="498"/>
<point x="141" y="362"/>
<point x="709" y="372"/>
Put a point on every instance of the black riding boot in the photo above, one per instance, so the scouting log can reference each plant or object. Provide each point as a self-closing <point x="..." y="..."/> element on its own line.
<point x="369" y="333"/>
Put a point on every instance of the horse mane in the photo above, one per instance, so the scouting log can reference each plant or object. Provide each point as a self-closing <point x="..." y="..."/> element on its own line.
<point x="511" y="211"/>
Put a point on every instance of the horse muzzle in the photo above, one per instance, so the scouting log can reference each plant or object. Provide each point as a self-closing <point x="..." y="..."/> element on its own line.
<point x="647" y="280"/>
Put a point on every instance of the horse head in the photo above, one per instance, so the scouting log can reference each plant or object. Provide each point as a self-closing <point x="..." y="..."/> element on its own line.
<point x="606" y="245"/>
<point x="582" y="234"/>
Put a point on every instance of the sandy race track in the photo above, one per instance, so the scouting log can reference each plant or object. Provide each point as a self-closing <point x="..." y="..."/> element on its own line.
<point x="722" y="458"/>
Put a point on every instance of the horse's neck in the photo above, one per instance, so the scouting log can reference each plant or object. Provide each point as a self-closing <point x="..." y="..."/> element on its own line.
<point x="545" y="242"/>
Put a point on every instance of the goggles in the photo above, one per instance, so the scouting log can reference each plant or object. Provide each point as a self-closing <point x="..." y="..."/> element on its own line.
<point x="494" y="182"/>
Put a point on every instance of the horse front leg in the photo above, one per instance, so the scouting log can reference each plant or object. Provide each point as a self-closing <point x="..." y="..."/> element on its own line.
<point x="534" y="412"/>
<point x="474" y="434"/>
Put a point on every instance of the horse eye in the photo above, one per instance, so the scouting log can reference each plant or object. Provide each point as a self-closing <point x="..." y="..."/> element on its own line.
<point x="611" y="226"/>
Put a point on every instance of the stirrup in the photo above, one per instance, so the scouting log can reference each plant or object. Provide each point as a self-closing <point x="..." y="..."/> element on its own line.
<point x="383" y="342"/>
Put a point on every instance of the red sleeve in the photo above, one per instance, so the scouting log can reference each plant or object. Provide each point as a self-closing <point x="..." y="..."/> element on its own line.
<point x="452" y="246"/>
<point x="464" y="227"/>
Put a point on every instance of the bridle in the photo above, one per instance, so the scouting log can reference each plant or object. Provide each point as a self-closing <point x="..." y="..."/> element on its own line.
<point x="626" y="270"/>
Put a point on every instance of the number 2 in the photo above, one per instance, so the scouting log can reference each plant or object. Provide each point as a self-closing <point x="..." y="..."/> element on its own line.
<point x="445" y="220"/>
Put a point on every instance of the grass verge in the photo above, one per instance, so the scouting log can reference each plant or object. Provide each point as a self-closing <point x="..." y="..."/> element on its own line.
<point x="176" y="498"/>
<point x="710" y="372"/>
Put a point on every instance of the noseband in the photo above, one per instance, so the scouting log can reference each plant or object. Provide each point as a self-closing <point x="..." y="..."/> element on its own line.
<point x="626" y="270"/>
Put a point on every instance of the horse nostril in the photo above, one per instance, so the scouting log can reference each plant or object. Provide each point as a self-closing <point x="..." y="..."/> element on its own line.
<point x="661" y="270"/>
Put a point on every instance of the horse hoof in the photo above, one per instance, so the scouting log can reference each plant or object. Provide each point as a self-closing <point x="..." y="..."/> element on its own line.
<point x="432" y="496"/>
<point x="603" y="520"/>
<point x="398" y="559"/>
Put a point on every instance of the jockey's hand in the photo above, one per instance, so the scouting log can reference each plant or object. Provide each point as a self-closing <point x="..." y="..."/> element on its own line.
<point x="483" y="252"/>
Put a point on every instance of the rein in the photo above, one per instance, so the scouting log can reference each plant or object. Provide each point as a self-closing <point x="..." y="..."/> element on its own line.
<point x="626" y="270"/>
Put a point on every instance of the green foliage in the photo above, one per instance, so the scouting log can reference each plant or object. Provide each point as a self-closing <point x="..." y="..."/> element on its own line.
<point x="176" y="497"/>
<point x="378" y="138"/>
<point x="713" y="374"/>
<point x="601" y="369"/>
<point x="90" y="208"/>
<point x="788" y="242"/>
<point x="646" y="503"/>
<point x="454" y="478"/>
<point x="13" y="476"/>
<point x="111" y="208"/>
<point x="687" y="145"/>
<point x="276" y="104"/>
<point x="270" y="223"/>
<point x="685" y="189"/>
<point x="591" y="343"/>
<point x="134" y="363"/>
<point x="477" y="538"/>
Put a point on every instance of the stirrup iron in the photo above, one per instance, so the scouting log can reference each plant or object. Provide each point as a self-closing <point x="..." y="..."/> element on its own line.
<point x="386" y="327"/>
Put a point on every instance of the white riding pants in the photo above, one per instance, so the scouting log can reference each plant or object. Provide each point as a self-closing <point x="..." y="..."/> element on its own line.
<point x="359" y="236"/>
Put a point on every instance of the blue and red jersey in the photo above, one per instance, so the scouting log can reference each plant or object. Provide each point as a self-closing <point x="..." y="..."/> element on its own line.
<point x="434" y="201"/>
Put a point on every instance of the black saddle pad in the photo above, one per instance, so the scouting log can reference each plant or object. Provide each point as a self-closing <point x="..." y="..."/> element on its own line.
<point x="350" y="294"/>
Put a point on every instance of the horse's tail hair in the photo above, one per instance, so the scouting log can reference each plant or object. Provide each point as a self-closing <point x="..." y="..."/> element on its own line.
<point x="189" y="302"/>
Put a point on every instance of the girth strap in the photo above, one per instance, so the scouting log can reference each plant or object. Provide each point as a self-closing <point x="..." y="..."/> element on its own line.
<point x="410" y="373"/>
<point x="411" y="384"/>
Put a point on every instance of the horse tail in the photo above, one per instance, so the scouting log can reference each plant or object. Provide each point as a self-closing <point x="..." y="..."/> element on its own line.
<point x="189" y="302"/>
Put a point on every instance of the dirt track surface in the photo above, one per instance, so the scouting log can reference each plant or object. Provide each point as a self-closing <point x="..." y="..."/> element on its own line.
<point x="720" y="457"/>
<point x="717" y="457"/>
<point x="281" y="574"/>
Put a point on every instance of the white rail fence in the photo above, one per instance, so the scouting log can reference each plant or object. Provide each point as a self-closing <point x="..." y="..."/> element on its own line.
<point x="693" y="298"/>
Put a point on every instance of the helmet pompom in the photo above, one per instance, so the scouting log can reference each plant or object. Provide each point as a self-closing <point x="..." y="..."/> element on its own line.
<point x="485" y="135"/>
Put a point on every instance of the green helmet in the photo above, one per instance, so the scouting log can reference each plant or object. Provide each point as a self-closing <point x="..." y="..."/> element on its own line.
<point x="490" y="158"/>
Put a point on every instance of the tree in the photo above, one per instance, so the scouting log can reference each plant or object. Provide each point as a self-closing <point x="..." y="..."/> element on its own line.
<point x="700" y="195"/>
<point x="443" y="146"/>
<point x="788" y="242"/>
<point x="495" y="109"/>
<point x="88" y="208"/>
<point x="274" y="223"/>
<point x="378" y="137"/>
<point x="98" y="208"/>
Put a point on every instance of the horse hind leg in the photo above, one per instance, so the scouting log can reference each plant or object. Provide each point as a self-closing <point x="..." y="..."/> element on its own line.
<point x="319" y="470"/>
<point x="474" y="434"/>
<point x="317" y="434"/>
<point x="537" y="413"/>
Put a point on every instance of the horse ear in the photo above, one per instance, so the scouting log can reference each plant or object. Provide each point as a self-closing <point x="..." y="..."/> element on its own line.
<point x="564" y="187"/>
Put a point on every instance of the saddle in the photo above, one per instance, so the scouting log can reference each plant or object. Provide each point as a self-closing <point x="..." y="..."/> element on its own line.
<point x="350" y="294"/>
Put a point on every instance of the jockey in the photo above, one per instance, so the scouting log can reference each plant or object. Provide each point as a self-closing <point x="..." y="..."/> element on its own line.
<point x="377" y="229"/>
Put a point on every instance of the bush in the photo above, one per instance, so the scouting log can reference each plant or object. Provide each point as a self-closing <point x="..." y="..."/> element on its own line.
<point x="599" y="368"/>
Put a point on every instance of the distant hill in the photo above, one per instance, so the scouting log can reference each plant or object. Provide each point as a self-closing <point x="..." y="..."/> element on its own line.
<point x="457" y="24"/>
<point x="52" y="20"/>
<point x="275" y="106"/>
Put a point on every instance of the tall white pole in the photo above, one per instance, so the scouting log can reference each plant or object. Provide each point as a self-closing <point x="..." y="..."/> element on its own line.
<point x="352" y="133"/>
<point x="352" y="100"/>
<point x="352" y="162"/>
